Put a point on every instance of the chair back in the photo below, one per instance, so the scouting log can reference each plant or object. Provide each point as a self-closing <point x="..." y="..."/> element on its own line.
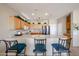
<point x="66" y="43"/>
<point x="39" y="43"/>
<point x="10" y="43"/>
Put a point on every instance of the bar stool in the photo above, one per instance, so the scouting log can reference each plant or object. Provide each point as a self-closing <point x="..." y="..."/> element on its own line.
<point x="14" y="47"/>
<point x="40" y="46"/>
<point x="63" y="46"/>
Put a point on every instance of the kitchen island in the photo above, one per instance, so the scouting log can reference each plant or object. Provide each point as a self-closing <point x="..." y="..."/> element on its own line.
<point x="29" y="40"/>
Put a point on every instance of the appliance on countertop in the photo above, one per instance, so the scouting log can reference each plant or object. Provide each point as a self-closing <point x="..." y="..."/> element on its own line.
<point x="18" y="33"/>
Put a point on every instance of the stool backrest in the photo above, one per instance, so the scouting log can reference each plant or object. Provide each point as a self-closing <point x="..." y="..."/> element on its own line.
<point x="66" y="43"/>
<point x="10" y="43"/>
<point x="40" y="42"/>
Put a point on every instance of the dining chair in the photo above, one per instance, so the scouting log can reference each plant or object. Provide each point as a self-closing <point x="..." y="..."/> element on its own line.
<point x="15" y="47"/>
<point x="63" y="46"/>
<point x="40" y="46"/>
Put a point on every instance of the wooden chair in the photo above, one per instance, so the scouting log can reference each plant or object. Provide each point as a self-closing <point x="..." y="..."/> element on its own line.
<point x="63" y="46"/>
<point x="40" y="46"/>
<point x="15" y="47"/>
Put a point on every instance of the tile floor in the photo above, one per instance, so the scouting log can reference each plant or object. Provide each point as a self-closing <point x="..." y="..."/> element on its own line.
<point x="74" y="51"/>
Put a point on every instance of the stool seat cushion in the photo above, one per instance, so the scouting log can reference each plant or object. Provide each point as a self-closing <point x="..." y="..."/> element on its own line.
<point x="40" y="48"/>
<point x="19" y="47"/>
<point x="59" y="47"/>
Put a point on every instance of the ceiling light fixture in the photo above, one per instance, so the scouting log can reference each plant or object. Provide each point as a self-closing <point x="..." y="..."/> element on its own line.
<point x="33" y="13"/>
<point x="46" y="14"/>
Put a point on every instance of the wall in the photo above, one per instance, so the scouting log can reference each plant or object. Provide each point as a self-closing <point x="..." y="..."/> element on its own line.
<point x="75" y="33"/>
<point x="5" y="26"/>
<point x="5" y="13"/>
<point x="58" y="26"/>
<point x="61" y="25"/>
<point x="53" y="26"/>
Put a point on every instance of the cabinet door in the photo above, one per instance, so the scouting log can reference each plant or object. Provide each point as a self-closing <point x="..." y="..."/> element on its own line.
<point x="24" y="24"/>
<point x="68" y="24"/>
<point x="17" y="23"/>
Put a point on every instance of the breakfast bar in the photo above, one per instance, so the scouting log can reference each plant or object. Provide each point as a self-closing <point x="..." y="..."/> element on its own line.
<point x="29" y="41"/>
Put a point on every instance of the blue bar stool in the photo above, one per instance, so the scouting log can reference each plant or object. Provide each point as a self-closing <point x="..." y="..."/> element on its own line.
<point x="40" y="46"/>
<point x="15" y="47"/>
<point x="63" y="46"/>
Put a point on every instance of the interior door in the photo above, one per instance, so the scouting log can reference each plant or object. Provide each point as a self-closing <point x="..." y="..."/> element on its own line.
<point x="68" y="24"/>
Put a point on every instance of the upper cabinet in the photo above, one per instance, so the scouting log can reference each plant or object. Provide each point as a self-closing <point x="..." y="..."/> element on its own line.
<point x="17" y="23"/>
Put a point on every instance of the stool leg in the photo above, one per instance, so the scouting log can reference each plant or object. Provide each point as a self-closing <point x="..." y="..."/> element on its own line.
<point x="45" y="53"/>
<point x="6" y="53"/>
<point x="68" y="53"/>
<point x="25" y="51"/>
<point x="16" y="53"/>
<point x="59" y="53"/>
<point x="35" y="53"/>
<point x="52" y="52"/>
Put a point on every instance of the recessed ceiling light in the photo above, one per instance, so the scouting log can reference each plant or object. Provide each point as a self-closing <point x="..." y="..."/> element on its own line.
<point x="46" y="14"/>
<point x="33" y="13"/>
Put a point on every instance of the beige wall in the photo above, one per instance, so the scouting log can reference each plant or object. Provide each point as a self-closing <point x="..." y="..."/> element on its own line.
<point x="75" y="33"/>
<point x="5" y="13"/>
<point x="53" y="26"/>
<point x="61" y="25"/>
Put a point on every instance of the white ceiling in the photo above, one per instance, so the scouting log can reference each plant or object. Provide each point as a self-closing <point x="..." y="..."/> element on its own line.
<point x="55" y="10"/>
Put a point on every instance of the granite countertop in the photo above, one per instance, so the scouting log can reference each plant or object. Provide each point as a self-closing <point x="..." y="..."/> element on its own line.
<point x="36" y="36"/>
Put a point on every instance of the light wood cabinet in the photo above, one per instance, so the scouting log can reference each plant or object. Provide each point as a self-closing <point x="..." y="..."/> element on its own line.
<point x="24" y="24"/>
<point x="17" y="24"/>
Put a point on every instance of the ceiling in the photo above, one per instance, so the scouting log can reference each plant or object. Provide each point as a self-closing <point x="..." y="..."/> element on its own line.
<point x="54" y="10"/>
